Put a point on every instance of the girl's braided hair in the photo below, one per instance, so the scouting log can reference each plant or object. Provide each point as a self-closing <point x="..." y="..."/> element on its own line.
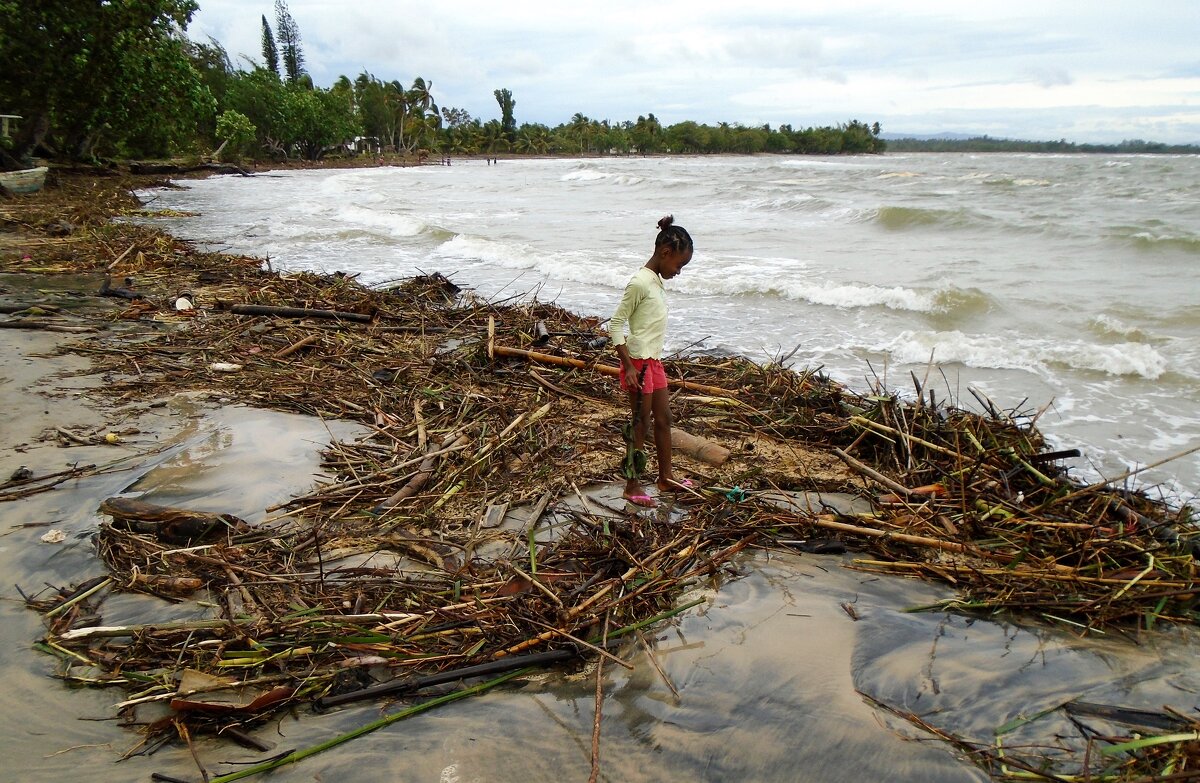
<point x="675" y="237"/>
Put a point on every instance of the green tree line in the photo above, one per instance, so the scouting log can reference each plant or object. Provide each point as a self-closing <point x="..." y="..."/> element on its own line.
<point x="989" y="144"/>
<point x="121" y="79"/>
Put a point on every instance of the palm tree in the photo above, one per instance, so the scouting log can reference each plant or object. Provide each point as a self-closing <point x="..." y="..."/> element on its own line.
<point x="533" y="139"/>
<point x="420" y="100"/>
<point x="581" y="128"/>
<point x="425" y="130"/>
<point x="493" y="136"/>
<point x="396" y="101"/>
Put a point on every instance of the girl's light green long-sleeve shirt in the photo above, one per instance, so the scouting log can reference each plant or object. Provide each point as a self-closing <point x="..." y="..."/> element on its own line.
<point x="643" y="308"/>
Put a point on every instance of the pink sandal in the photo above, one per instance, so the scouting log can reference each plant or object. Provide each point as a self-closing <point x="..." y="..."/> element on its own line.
<point x="645" y="501"/>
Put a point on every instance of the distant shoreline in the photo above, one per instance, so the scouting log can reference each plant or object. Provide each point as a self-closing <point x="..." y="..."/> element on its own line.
<point x="906" y="146"/>
<point x="989" y="144"/>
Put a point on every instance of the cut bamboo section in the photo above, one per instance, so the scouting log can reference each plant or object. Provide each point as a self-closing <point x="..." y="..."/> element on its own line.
<point x="698" y="448"/>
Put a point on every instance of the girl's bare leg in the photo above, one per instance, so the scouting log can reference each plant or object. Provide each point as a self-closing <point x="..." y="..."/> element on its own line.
<point x="661" y="405"/>
<point x="633" y="486"/>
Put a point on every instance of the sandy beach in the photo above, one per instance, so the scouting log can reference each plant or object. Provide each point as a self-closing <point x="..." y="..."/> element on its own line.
<point x="789" y="666"/>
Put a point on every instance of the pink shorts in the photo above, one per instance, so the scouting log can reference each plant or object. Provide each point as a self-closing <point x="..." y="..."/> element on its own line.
<point x="653" y="379"/>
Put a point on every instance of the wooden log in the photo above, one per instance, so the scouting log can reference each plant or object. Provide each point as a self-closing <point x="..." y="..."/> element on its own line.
<point x="138" y="167"/>
<point x="175" y="585"/>
<point x="175" y="525"/>
<point x="295" y="312"/>
<point x="10" y="309"/>
<point x="424" y="471"/>
<point x="606" y="369"/>
<point x="698" y="448"/>
<point x="45" y="326"/>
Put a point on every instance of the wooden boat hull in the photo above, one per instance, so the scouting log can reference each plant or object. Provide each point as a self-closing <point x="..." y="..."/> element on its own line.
<point x="24" y="181"/>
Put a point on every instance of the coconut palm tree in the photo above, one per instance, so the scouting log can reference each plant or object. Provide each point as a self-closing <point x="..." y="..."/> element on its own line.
<point x="493" y="136"/>
<point x="533" y="140"/>
<point x="582" y="129"/>
<point x="395" y="101"/>
<point x="419" y="101"/>
<point x="425" y="131"/>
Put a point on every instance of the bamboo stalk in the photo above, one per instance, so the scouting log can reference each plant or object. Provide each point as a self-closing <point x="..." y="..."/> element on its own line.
<point x="76" y="599"/>
<point x="296" y="346"/>
<point x="909" y="438"/>
<point x="874" y="474"/>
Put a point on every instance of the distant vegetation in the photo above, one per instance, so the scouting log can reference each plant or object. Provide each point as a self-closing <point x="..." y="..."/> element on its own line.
<point x="98" y="80"/>
<point x="988" y="144"/>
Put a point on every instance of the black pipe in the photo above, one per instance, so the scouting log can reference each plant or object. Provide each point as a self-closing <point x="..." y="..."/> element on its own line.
<point x="393" y="687"/>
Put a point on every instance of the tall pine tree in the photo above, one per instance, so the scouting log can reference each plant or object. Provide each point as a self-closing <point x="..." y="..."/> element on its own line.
<point x="289" y="42"/>
<point x="269" y="52"/>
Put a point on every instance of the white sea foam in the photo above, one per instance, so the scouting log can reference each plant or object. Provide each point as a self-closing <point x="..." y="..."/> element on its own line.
<point x="1110" y="326"/>
<point x="798" y="202"/>
<point x="388" y="223"/>
<point x="569" y="265"/>
<point x="1031" y="354"/>
<point x="785" y="279"/>
<point x="593" y="175"/>
<point x="834" y="295"/>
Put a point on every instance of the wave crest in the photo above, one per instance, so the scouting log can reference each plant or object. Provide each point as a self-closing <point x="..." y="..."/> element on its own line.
<point x="901" y="218"/>
<point x="946" y="302"/>
<point x="986" y="351"/>
<point x="595" y="175"/>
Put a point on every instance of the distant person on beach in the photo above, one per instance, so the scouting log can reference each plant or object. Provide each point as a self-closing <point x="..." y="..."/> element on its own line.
<point x="643" y="309"/>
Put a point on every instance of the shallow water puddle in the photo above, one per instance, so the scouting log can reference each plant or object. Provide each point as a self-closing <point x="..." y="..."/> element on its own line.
<point x="237" y="460"/>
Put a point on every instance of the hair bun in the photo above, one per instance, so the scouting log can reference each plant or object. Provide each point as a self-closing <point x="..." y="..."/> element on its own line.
<point x="666" y="222"/>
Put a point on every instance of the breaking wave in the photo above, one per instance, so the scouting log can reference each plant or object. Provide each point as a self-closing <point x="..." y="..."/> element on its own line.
<point x="595" y="175"/>
<point x="902" y="218"/>
<point x="1034" y="355"/>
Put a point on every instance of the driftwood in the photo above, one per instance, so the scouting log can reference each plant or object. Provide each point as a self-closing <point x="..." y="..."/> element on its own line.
<point x="1006" y="539"/>
<point x="173" y="585"/>
<point x="45" y="326"/>
<point x="170" y="168"/>
<point x="296" y="346"/>
<point x="698" y="448"/>
<point x="175" y="525"/>
<point x="425" y="470"/>
<point x="295" y="312"/>
<point x="9" y="309"/>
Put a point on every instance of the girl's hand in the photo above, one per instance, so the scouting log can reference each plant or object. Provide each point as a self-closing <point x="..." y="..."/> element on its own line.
<point x="631" y="378"/>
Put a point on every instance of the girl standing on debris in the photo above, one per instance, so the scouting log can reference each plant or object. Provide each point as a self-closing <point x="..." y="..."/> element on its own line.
<point x="644" y="309"/>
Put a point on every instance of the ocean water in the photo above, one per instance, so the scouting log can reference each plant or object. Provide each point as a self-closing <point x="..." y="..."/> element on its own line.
<point x="1062" y="284"/>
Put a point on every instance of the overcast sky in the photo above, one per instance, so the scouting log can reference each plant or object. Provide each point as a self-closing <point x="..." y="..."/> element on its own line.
<point x="1095" y="71"/>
